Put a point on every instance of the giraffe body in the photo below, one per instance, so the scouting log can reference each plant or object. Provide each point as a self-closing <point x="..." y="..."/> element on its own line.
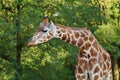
<point x="93" y="62"/>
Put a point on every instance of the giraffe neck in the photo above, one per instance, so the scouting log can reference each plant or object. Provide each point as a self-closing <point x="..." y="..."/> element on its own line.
<point x="92" y="58"/>
<point x="78" y="37"/>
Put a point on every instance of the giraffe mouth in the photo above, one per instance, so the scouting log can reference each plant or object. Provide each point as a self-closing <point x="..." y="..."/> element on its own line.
<point x="31" y="43"/>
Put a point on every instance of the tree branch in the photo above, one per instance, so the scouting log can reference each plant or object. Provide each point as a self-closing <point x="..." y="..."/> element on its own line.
<point x="6" y="57"/>
<point x="6" y="7"/>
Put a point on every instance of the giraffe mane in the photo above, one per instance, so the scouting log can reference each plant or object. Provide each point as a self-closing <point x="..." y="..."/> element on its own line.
<point x="66" y="27"/>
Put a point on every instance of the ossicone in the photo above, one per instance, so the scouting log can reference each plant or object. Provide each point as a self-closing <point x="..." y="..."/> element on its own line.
<point x="45" y="19"/>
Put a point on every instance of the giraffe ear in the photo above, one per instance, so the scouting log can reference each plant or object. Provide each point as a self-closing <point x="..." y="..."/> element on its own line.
<point x="45" y="20"/>
<point x="52" y="25"/>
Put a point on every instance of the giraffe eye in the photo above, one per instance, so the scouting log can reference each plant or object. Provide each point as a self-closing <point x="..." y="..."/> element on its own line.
<point x="44" y="31"/>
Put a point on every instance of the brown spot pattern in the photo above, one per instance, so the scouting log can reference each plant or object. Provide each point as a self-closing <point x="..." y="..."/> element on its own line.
<point x="93" y="52"/>
<point x="83" y="63"/>
<point x="58" y="32"/>
<point x="83" y="76"/>
<point x="86" y="32"/>
<point x="100" y="60"/>
<point x="88" y="56"/>
<point x="108" y="65"/>
<point x="69" y="31"/>
<point x="68" y="39"/>
<point x="51" y="34"/>
<point x="105" y="74"/>
<point x="80" y="69"/>
<point x="92" y="62"/>
<point x="73" y="40"/>
<point x="64" y="37"/>
<point x="82" y="34"/>
<point x="100" y="74"/>
<point x="91" y="38"/>
<point x="76" y="34"/>
<point x="78" y="77"/>
<point x="104" y="56"/>
<point x="105" y="67"/>
<point x="48" y="36"/>
<point x="80" y="42"/>
<point x="95" y="44"/>
<point x="85" y="38"/>
<point x="96" y="77"/>
<point x="63" y="30"/>
<point x="81" y="54"/>
<point x="96" y="70"/>
<point x="87" y="45"/>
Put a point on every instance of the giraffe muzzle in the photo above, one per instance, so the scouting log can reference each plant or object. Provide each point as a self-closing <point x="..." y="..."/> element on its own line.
<point x="31" y="43"/>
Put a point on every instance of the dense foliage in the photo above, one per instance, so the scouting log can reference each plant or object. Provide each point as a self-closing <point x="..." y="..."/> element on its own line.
<point x="54" y="60"/>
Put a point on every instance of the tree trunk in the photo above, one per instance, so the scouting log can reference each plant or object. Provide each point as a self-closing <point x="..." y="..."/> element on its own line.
<point x="19" y="43"/>
<point x="119" y="12"/>
<point x="115" y="69"/>
<point x="119" y="67"/>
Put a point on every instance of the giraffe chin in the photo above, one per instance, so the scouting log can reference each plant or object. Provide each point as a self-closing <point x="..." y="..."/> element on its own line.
<point x="31" y="43"/>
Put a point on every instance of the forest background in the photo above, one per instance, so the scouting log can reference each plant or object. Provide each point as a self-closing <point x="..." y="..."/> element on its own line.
<point x="54" y="60"/>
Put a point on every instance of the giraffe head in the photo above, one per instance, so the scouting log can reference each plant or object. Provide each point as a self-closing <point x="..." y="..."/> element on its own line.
<point x="45" y="32"/>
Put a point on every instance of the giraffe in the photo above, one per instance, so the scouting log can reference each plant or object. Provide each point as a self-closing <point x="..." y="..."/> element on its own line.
<point x="93" y="62"/>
